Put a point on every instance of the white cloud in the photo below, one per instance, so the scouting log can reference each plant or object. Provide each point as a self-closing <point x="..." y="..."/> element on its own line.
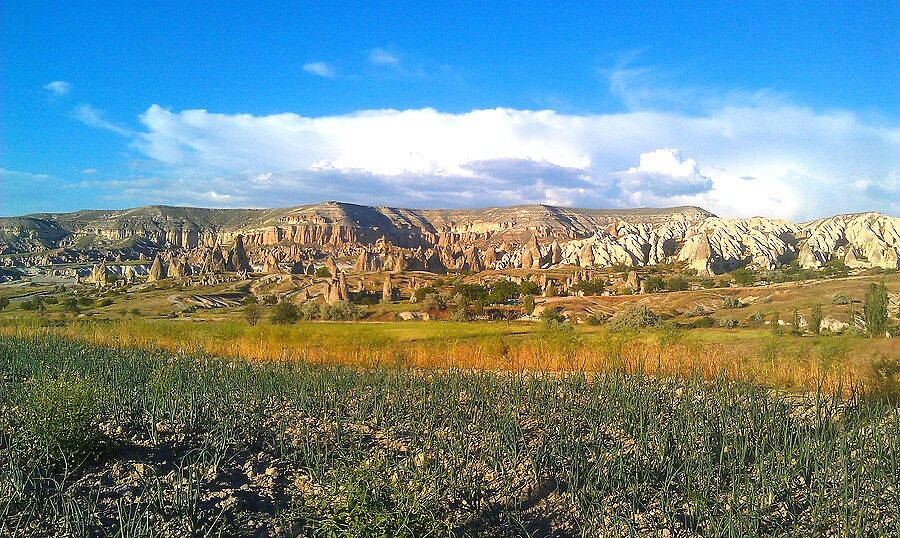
<point x="95" y="118"/>
<point x="662" y="174"/>
<point x="320" y="69"/>
<point x="379" y="56"/>
<point x="89" y="171"/>
<point x="58" y="87"/>
<point x="770" y="159"/>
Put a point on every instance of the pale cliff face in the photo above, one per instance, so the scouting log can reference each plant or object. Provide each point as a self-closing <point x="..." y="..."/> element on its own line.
<point x="380" y="238"/>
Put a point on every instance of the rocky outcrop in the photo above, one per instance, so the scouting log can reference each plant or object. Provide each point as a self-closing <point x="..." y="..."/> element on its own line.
<point x="403" y="240"/>
<point x="157" y="270"/>
<point x="861" y="240"/>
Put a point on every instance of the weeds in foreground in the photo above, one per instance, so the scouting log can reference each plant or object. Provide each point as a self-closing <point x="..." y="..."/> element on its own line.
<point x="205" y="446"/>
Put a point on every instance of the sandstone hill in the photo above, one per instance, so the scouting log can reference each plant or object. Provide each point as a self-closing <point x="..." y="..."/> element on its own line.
<point x="300" y="239"/>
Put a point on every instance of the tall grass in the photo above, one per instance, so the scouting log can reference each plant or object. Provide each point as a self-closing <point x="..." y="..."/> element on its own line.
<point x="450" y="452"/>
<point x="807" y="364"/>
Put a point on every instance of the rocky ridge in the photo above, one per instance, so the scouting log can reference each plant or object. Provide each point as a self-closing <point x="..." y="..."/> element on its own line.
<point x="184" y="241"/>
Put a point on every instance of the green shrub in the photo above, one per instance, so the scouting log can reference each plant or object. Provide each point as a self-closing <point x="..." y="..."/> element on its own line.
<point x="634" y="317"/>
<point x="757" y="317"/>
<point x="4" y="302"/>
<point x="62" y="413"/>
<point x="597" y="319"/>
<point x="422" y="292"/>
<point x="706" y="322"/>
<point x="269" y="300"/>
<point x="284" y="314"/>
<point x="728" y="323"/>
<point x="308" y="311"/>
<point x="342" y="311"/>
<point x="528" y="287"/>
<point x="840" y="298"/>
<point x="323" y="272"/>
<point x="434" y="301"/>
<point x="460" y="314"/>
<point x="743" y="277"/>
<point x="732" y="302"/>
<point x="252" y="313"/>
<point x="591" y="287"/>
<point x="654" y="283"/>
<point x="502" y="292"/>
<point x="677" y="283"/>
<point x="551" y="316"/>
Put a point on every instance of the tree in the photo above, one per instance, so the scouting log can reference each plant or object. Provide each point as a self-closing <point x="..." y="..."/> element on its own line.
<point x="591" y="287"/>
<point x="654" y="283"/>
<point x="775" y="319"/>
<point x="4" y="302"/>
<point x="528" y="287"/>
<point x="528" y="304"/>
<point x="875" y="306"/>
<point x="743" y="277"/>
<point x="677" y="283"/>
<point x="284" y="314"/>
<point x="795" y="322"/>
<point x="252" y="313"/>
<point x="815" y="320"/>
<point x="323" y="272"/>
<point x="503" y="291"/>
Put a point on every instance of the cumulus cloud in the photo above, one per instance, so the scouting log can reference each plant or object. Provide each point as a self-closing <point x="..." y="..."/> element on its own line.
<point x="320" y="69"/>
<point x="93" y="117"/>
<point x="770" y="159"/>
<point x="662" y="174"/>
<point x="58" y="87"/>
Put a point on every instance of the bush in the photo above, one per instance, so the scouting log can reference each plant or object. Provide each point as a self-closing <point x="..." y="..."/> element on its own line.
<point x="252" y="313"/>
<point x="105" y="302"/>
<point x="551" y="290"/>
<point x="284" y="314"/>
<point x="460" y="315"/>
<point x="62" y="413"/>
<point x="597" y="319"/>
<point x="342" y="311"/>
<point x="591" y="287"/>
<point x="4" y="302"/>
<point x="551" y="316"/>
<point x="705" y="322"/>
<point x="69" y="304"/>
<point x="323" y="272"/>
<point x="758" y="317"/>
<point x="308" y="311"/>
<point x="732" y="302"/>
<point x="728" y="323"/>
<point x="840" y="298"/>
<point x="654" y="283"/>
<point x="875" y="306"/>
<point x="502" y="292"/>
<point x="634" y="317"/>
<point x="743" y="277"/>
<point x="470" y="292"/>
<point x="677" y="283"/>
<point x="422" y="292"/>
<point x="249" y="299"/>
<point x="434" y="301"/>
<point x="528" y="287"/>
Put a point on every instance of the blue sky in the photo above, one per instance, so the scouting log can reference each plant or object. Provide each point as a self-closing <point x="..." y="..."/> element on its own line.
<point x="742" y="107"/>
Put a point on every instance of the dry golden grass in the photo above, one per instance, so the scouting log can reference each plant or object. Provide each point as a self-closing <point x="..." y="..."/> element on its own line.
<point x="795" y="363"/>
